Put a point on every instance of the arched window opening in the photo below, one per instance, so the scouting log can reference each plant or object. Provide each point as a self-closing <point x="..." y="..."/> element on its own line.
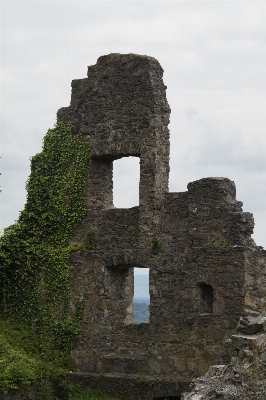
<point x="206" y="298"/>
<point x="126" y="173"/>
<point x="141" y="297"/>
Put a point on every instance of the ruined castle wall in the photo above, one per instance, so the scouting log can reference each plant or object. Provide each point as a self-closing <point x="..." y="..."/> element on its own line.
<point x="205" y="270"/>
<point x="181" y="338"/>
<point x="209" y="215"/>
<point x="121" y="110"/>
<point x="184" y="337"/>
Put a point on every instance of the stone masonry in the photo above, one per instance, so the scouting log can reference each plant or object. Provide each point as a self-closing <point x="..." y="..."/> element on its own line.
<point x="244" y="378"/>
<point x="205" y="270"/>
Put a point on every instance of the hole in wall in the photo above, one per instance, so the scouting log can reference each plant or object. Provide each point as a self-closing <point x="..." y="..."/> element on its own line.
<point x="141" y="297"/>
<point x="126" y="173"/>
<point x="206" y="298"/>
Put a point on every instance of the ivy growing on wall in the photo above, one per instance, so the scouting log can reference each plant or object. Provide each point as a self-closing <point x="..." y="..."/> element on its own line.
<point x="34" y="252"/>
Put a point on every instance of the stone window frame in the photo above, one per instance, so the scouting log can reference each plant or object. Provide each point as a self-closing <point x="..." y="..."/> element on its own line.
<point x="120" y="293"/>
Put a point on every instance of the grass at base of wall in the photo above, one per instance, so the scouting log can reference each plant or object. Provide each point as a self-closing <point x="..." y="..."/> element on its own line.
<point x="25" y="360"/>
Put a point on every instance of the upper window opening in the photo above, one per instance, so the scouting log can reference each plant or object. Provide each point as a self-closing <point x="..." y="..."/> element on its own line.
<point x="141" y="295"/>
<point x="206" y="298"/>
<point x="126" y="173"/>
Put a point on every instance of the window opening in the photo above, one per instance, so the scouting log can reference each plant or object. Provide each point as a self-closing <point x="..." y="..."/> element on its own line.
<point x="126" y="173"/>
<point x="141" y="297"/>
<point x="206" y="298"/>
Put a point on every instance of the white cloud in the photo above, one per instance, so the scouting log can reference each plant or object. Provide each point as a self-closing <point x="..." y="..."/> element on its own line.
<point x="214" y="57"/>
<point x="126" y="173"/>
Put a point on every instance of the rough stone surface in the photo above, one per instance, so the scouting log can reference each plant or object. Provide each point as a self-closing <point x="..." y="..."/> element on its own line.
<point x="133" y="387"/>
<point x="244" y="378"/>
<point x="205" y="270"/>
<point x="250" y="325"/>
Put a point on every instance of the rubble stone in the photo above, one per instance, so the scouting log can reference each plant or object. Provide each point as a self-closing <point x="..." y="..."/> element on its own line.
<point x="251" y="325"/>
<point x="244" y="378"/>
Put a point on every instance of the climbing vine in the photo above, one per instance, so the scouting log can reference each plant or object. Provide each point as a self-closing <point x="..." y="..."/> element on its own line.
<point x="34" y="252"/>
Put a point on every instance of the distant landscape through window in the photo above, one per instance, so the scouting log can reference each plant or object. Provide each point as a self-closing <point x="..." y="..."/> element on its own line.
<point x="141" y="295"/>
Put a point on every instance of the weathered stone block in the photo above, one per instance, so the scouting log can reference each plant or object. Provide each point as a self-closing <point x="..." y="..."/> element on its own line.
<point x="251" y="325"/>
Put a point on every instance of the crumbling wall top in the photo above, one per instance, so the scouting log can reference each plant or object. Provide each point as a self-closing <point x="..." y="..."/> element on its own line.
<point x="121" y="107"/>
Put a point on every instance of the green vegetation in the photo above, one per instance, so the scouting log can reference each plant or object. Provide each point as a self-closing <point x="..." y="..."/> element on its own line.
<point x="157" y="248"/>
<point x="21" y="359"/>
<point x="184" y="266"/>
<point x="21" y="363"/>
<point x="34" y="270"/>
<point x="90" y="240"/>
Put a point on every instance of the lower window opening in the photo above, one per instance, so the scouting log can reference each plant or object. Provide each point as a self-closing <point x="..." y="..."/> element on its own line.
<point x="141" y="297"/>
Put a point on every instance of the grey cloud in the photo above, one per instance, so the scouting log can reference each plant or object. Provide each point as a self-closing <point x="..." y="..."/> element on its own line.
<point x="231" y="149"/>
<point x="191" y="112"/>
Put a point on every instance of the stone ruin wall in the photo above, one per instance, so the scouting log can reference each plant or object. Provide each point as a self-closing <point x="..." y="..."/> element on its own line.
<point x="209" y="273"/>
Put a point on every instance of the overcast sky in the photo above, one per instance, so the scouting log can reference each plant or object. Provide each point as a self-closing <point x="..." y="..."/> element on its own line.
<point x="214" y="58"/>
